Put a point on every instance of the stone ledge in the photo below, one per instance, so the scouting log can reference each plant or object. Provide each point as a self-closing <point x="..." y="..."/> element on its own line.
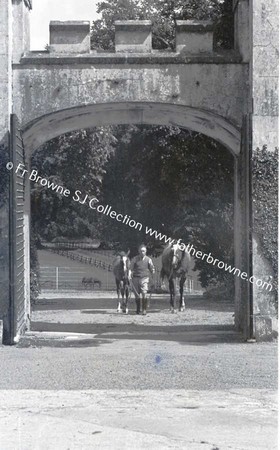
<point x="133" y="25"/>
<point x="69" y="23"/>
<point x="46" y="58"/>
<point x="194" y="26"/>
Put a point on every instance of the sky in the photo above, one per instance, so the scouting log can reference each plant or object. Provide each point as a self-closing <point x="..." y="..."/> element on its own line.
<point x="43" y="11"/>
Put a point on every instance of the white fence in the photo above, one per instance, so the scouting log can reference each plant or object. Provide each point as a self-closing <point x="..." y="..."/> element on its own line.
<point x="68" y="278"/>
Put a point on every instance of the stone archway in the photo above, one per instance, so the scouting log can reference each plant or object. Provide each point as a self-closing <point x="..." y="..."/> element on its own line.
<point x="49" y="126"/>
<point x="225" y="95"/>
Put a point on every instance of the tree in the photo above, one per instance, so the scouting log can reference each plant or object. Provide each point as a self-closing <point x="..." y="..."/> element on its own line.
<point x="76" y="161"/>
<point x="265" y="171"/>
<point x="177" y="182"/>
<point x="163" y="15"/>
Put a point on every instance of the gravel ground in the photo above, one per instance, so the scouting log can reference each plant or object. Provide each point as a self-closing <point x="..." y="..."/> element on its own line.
<point x="196" y="349"/>
<point x="138" y="364"/>
<point x="102" y="310"/>
<point x="86" y="377"/>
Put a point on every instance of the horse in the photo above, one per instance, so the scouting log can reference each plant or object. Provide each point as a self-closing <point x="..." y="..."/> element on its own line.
<point x="175" y="265"/>
<point x="121" y="270"/>
<point x="91" y="283"/>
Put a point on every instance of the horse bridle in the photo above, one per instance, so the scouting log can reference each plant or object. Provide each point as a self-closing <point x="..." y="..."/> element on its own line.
<point x="125" y="270"/>
<point x="178" y="263"/>
<point x="179" y="260"/>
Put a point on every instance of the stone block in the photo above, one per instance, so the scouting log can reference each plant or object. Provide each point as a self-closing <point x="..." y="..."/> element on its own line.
<point x="70" y="37"/>
<point x="263" y="328"/>
<point x="242" y="28"/>
<point x="133" y="36"/>
<point x="194" y="37"/>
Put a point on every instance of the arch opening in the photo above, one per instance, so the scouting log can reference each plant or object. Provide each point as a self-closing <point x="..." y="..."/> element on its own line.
<point x="46" y="127"/>
<point x="118" y="208"/>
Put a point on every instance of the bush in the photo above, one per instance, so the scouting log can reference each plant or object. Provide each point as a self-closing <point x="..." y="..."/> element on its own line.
<point x="34" y="270"/>
<point x="265" y="203"/>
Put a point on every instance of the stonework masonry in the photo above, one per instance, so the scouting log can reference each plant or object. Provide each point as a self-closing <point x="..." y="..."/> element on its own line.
<point x="5" y="111"/>
<point x="68" y="87"/>
<point x="264" y="67"/>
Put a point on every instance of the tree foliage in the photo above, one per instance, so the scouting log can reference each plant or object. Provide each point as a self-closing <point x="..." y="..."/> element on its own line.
<point x="177" y="182"/>
<point x="34" y="268"/>
<point x="163" y="15"/>
<point x="265" y="202"/>
<point x="76" y="161"/>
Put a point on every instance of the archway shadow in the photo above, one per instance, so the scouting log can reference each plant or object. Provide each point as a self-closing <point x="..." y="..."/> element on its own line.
<point x="91" y="306"/>
<point x="182" y="334"/>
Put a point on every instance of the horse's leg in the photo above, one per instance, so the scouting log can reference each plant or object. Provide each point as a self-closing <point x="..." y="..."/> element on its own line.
<point x="182" y="302"/>
<point x="172" y="294"/>
<point x="126" y="298"/>
<point x="118" y="292"/>
<point x="122" y="287"/>
<point x="125" y="301"/>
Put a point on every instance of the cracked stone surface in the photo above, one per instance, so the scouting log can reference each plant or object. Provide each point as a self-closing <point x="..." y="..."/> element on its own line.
<point x="172" y="419"/>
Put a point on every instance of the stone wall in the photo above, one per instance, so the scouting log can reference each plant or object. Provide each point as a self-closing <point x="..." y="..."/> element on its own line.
<point x="48" y="87"/>
<point x="264" y="79"/>
<point x="14" y="41"/>
<point x="264" y="73"/>
<point x="5" y="110"/>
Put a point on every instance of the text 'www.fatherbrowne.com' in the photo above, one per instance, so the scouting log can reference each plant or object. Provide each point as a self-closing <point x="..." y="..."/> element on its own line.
<point x="209" y="259"/>
<point x="93" y="203"/>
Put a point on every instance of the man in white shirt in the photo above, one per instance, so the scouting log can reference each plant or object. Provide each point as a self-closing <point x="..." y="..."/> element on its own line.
<point x="141" y="267"/>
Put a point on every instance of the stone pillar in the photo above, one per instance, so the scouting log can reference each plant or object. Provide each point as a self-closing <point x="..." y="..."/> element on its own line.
<point x="242" y="237"/>
<point x="5" y="111"/>
<point x="69" y="37"/>
<point x="242" y="29"/>
<point x="133" y="36"/>
<point x="5" y="68"/>
<point x="14" y="41"/>
<point x="21" y="28"/>
<point x="264" y="88"/>
<point x="264" y="69"/>
<point x="256" y="39"/>
<point x="194" y="37"/>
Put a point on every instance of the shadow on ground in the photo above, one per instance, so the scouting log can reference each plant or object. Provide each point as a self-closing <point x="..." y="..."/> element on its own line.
<point x="193" y="303"/>
<point x="192" y="334"/>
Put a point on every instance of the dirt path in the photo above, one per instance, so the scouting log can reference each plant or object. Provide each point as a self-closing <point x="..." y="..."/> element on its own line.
<point x="102" y="310"/>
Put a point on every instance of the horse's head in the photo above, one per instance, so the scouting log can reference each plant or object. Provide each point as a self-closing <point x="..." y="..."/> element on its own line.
<point x="177" y="255"/>
<point x="124" y="263"/>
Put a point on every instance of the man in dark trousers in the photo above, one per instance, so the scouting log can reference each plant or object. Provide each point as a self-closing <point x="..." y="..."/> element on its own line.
<point x="141" y="268"/>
